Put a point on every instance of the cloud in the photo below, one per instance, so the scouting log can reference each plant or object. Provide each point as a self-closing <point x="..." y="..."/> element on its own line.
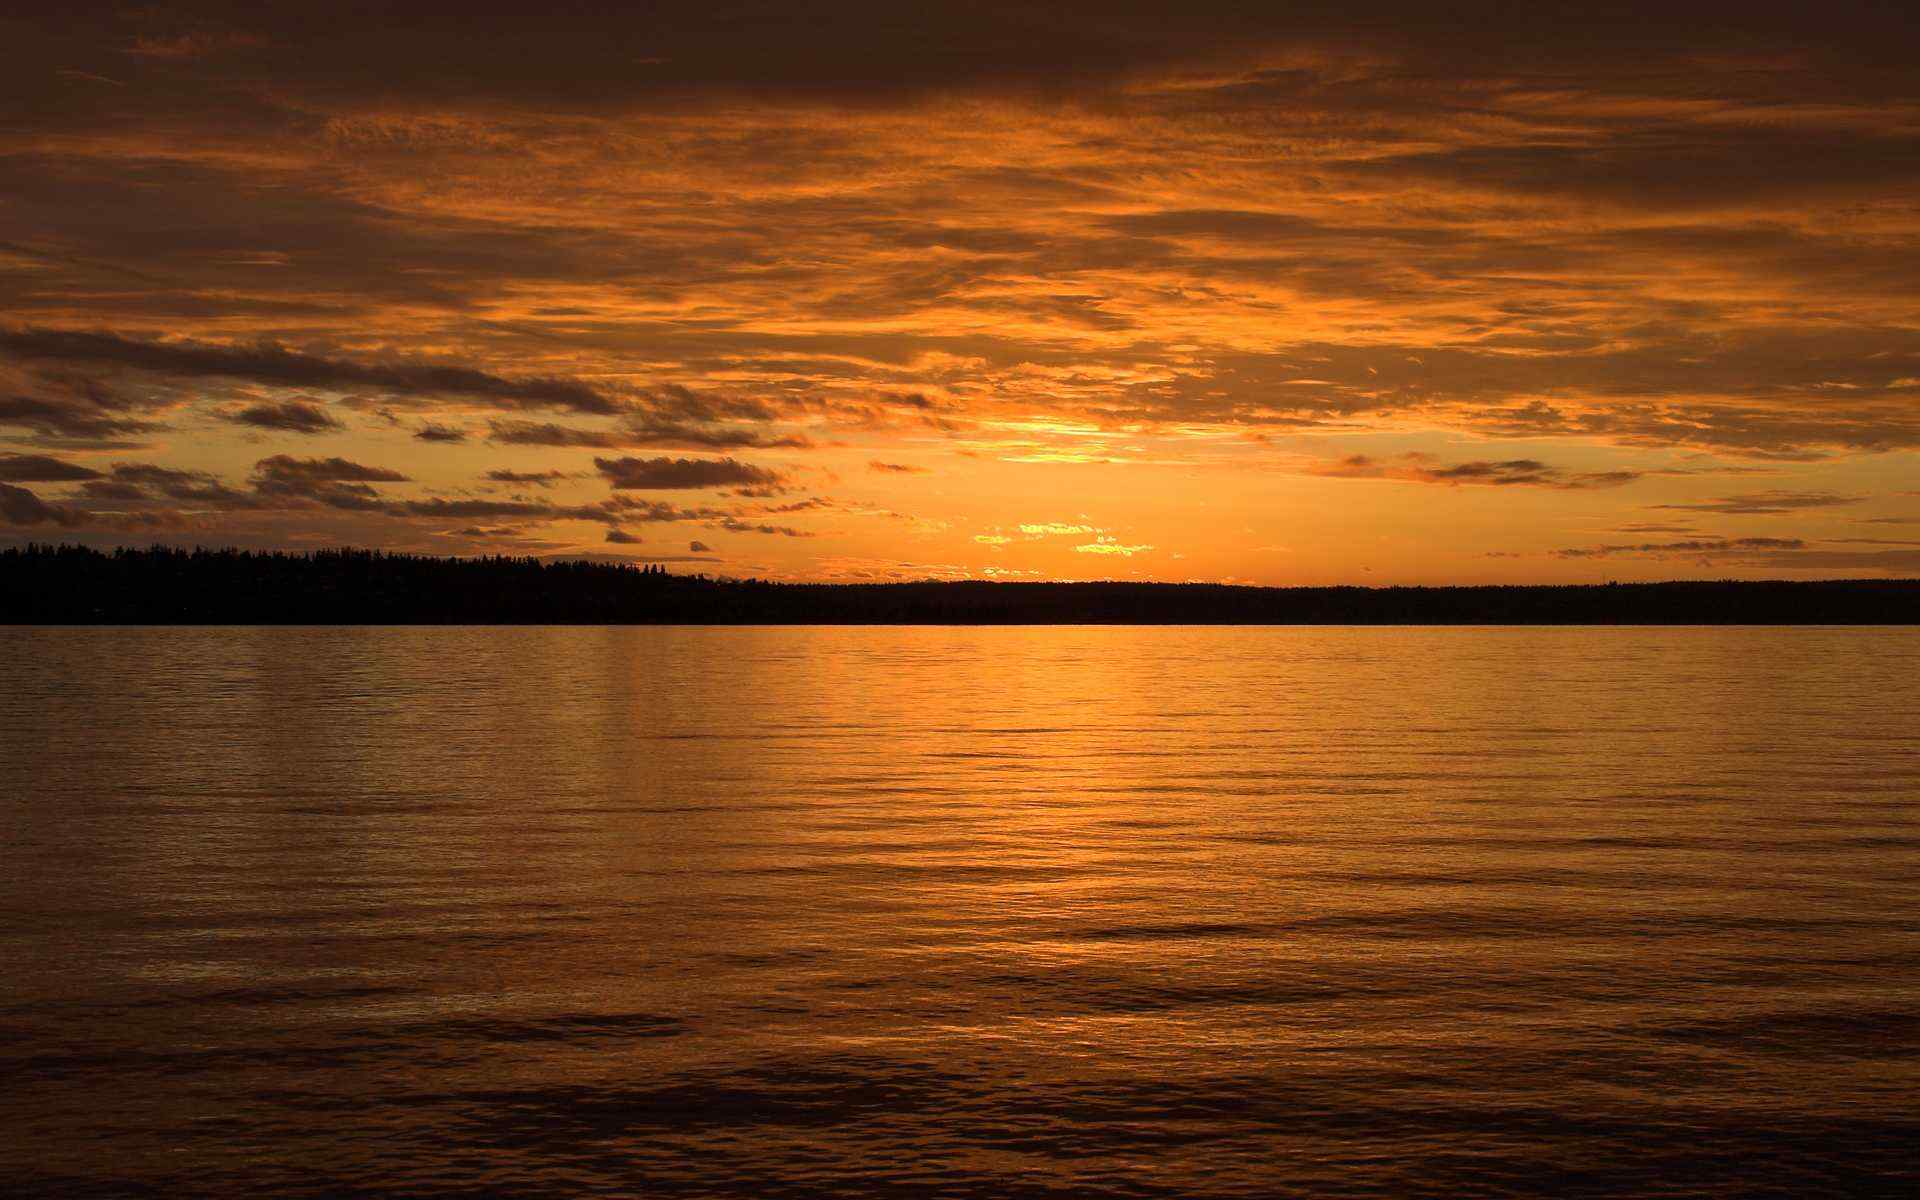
<point x="532" y="433"/>
<point x="200" y="43"/>
<point x="287" y="416"/>
<point x="269" y="363"/>
<point x="333" y="482"/>
<point x="545" y="479"/>
<point x="136" y="480"/>
<point x="1195" y="240"/>
<point x="1516" y="472"/>
<point x="1056" y="529"/>
<point x="895" y="468"/>
<point x="284" y="486"/>
<point x="80" y="413"/>
<point x="681" y="435"/>
<point x="115" y="491"/>
<point x="808" y="504"/>
<point x="1213" y="54"/>
<point x="445" y="508"/>
<point x="18" y="506"/>
<point x="1769" y="553"/>
<point x="1110" y="546"/>
<point x="1696" y="548"/>
<point x="323" y="470"/>
<point x="622" y="537"/>
<point x="632" y="508"/>
<point x="1773" y="503"/>
<point x="699" y="547"/>
<point x="431" y="432"/>
<point x="736" y="525"/>
<point x="1035" y="531"/>
<point x="38" y="468"/>
<point x="685" y="473"/>
<point x="640" y="433"/>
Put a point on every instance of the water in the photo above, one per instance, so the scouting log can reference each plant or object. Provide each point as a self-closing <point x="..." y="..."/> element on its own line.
<point x="960" y="912"/>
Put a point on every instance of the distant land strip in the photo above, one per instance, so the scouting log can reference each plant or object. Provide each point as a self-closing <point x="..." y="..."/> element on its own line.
<point x="59" y="585"/>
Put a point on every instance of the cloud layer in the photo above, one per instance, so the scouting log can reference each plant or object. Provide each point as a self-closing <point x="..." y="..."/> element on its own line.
<point x="1214" y="283"/>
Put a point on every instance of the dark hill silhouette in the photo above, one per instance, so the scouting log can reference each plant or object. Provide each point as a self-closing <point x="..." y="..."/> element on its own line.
<point x="43" y="584"/>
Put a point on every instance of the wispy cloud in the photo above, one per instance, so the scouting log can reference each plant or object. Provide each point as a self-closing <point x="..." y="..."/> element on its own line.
<point x="1763" y="504"/>
<point x="1693" y="548"/>
<point x="287" y="416"/>
<point x="1516" y="472"/>
<point x="661" y="474"/>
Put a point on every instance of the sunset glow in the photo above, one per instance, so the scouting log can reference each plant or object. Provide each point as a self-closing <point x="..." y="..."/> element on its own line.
<point x="1094" y="292"/>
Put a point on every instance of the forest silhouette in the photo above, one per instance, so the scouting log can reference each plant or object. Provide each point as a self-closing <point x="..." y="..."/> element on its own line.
<point x="49" y="584"/>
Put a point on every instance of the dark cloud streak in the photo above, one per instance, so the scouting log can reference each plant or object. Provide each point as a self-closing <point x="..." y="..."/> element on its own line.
<point x="287" y="416"/>
<point x="277" y="365"/>
<point x="18" y="506"/>
<point x="664" y="474"/>
<point x="1518" y="472"/>
<point x="39" y="468"/>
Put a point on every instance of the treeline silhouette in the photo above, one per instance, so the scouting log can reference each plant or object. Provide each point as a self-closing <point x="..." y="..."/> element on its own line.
<point x="44" y="584"/>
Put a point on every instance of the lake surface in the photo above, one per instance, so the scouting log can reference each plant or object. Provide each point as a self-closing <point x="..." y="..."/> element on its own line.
<point x="945" y="912"/>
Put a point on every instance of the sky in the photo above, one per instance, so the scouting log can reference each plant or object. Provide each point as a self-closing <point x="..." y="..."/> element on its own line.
<point x="1280" y="294"/>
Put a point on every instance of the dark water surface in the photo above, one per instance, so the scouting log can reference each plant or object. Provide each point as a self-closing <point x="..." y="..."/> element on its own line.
<point x="960" y="912"/>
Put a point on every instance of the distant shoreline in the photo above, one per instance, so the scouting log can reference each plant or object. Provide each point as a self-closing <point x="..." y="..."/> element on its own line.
<point x="70" y="585"/>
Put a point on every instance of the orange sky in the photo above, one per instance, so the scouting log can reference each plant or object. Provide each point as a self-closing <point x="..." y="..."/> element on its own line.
<point x="1114" y="291"/>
